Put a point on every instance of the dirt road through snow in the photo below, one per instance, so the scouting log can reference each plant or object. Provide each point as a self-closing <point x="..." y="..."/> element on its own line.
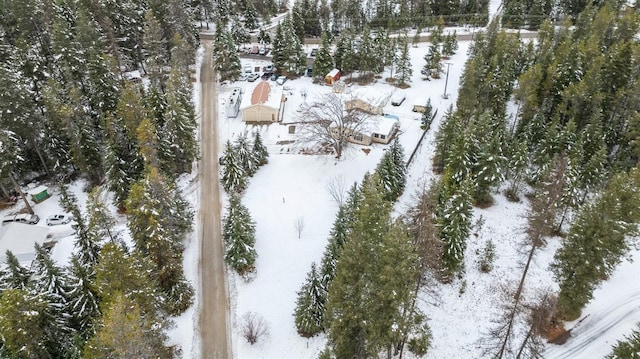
<point x="214" y="302"/>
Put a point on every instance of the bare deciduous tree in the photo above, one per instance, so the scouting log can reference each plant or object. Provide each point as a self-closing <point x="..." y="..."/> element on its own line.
<point x="328" y="123"/>
<point x="544" y="207"/>
<point x="253" y="327"/>
<point x="299" y="225"/>
<point x="428" y="245"/>
<point x="540" y="321"/>
<point x="337" y="189"/>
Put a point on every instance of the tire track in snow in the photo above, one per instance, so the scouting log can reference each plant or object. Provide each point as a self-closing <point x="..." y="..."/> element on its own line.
<point x="592" y="332"/>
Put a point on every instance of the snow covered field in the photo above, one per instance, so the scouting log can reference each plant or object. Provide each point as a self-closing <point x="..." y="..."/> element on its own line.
<point x="292" y="186"/>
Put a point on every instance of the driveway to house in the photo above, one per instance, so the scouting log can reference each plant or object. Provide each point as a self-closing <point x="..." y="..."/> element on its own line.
<point x="214" y="299"/>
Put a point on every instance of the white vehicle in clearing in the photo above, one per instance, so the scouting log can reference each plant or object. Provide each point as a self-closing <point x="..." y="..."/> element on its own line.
<point x="57" y="219"/>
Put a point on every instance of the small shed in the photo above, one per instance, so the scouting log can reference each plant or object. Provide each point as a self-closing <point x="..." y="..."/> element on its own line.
<point x="332" y="77"/>
<point x="39" y="194"/>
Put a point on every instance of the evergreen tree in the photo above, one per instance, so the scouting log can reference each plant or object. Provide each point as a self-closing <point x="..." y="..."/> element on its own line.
<point x="309" y="313"/>
<point x="433" y="67"/>
<point x="263" y="37"/>
<point x="312" y="25"/>
<point x="148" y="141"/>
<point x="83" y="133"/>
<point x="244" y="155"/>
<point x="155" y="103"/>
<point x="341" y="53"/>
<point x="365" y="311"/>
<point x="323" y="62"/>
<point x="123" y="160"/>
<point x="158" y="219"/>
<point x="449" y="45"/>
<point x="87" y="245"/>
<point x="239" y="233"/>
<point x="629" y="348"/>
<point x="23" y="324"/>
<point x="383" y="45"/>
<point x="404" y="61"/>
<point x="298" y="20"/>
<point x="288" y="54"/>
<point x="121" y="273"/>
<point x="367" y="58"/>
<point x="234" y="176"/>
<point x="453" y="215"/>
<point x="239" y="34"/>
<point x="50" y="282"/>
<point x="596" y="243"/>
<point x="127" y="332"/>
<point x="487" y="140"/>
<point x="251" y="17"/>
<point x="154" y="49"/>
<point x="83" y="301"/>
<point x="450" y="129"/>
<point x="225" y="57"/>
<point x="342" y="226"/>
<point x="16" y="276"/>
<point x="392" y="171"/>
<point x="101" y="224"/>
<point x="259" y="150"/>
<point x="517" y="162"/>
<point x="178" y="144"/>
<point x="427" y="116"/>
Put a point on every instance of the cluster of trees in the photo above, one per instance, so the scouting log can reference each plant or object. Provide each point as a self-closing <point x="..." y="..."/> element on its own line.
<point x="66" y="104"/>
<point x="573" y="142"/>
<point x="68" y="109"/>
<point x="442" y="47"/>
<point x="312" y="17"/>
<point x="240" y="161"/>
<point x="366" y="307"/>
<point x="108" y="299"/>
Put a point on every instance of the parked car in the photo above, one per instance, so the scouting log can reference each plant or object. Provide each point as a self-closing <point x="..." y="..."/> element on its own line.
<point x="22" y="218"/>
<point x="274" y="77"/>
<point x="57" y="219"/>
<point x="281" y="80"/>
<point x="265" y="76"/>
<point x="247" y="69"/>
<point x="242" y="77"/>
<point x="269" y="68"/>
<point x="398" y="98"/>
<point x="252" y="77"/>
<point x="262" y="51"/>
<point x="314" y="52"/>
<point x="309" y="72"/>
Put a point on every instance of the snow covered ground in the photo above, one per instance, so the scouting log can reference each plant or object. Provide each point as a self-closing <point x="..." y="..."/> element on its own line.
<point x="292" y="186"/>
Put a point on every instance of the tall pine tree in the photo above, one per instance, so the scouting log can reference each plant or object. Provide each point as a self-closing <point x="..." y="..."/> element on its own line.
<point x="239" y="235"/>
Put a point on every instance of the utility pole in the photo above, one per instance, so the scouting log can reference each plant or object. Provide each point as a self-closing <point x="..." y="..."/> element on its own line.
<point x="446" y="81"/>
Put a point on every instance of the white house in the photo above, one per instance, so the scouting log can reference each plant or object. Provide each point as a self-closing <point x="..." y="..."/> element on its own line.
<point x="379" y="129"/>
<point x="265" y="104"/>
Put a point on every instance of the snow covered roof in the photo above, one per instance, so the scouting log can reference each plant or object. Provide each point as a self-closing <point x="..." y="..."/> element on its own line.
<point x="333" y="73"/>
<point x="20" y="238"/>
<point x="382" y="124"/>
<point x="38" y="189"/>
<point x="263" y="93"/>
